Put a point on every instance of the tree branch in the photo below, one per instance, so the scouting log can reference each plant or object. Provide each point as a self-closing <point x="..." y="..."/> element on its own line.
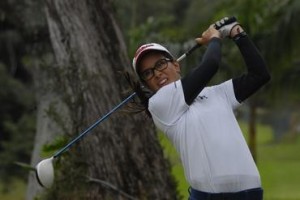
<point x="109" y="185"/>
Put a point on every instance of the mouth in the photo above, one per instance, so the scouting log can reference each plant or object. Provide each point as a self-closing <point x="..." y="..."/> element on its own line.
<point x="163" y="82"/>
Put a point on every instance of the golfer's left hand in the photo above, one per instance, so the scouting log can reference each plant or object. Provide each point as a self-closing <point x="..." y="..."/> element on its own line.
<point x="236" y="30"/>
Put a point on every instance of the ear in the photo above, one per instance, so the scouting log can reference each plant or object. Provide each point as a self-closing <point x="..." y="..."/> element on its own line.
<point x="177" y="66"/>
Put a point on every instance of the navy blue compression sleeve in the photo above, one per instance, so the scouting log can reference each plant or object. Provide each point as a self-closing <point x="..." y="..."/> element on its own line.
<point x="194" y="82"/>
<point x="257" y="73"/>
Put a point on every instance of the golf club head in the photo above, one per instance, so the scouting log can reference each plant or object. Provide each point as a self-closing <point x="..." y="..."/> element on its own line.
<point x="45" y="172"/>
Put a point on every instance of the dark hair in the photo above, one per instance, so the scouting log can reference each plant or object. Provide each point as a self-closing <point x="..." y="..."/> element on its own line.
<point x="140" y="104"/>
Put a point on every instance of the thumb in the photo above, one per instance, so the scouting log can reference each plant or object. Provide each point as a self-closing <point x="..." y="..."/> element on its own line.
<point x="200" y="41"/>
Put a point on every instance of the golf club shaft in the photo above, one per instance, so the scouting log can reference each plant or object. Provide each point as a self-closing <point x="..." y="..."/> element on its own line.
<point x="113" y="110"/>
<point x="196" y="46"/>
<point x="94" y="125"/>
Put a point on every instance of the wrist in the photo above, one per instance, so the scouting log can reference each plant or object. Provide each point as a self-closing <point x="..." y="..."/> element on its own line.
<point x="236" y="30"/>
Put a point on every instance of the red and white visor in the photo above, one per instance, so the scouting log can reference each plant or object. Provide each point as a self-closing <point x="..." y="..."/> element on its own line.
<point x="145" y="48"/>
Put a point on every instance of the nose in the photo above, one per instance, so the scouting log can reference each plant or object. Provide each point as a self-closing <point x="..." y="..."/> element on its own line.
<point x="156" y="73"/>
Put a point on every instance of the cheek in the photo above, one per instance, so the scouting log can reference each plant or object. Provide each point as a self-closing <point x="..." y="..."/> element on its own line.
<point x="175" y="73"/>
<point x="173" y="69"/>
<point x="151" y="86"/>
<point x="177" y="68"/>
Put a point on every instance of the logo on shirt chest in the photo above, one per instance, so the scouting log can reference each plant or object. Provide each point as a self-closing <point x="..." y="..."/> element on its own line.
<point x="202" y="97"/>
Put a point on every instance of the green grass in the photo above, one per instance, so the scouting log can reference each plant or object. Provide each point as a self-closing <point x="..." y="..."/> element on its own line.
<point x="177" y="169"/>
<point x="278" y="163"/>
<point x="16" y="191"/>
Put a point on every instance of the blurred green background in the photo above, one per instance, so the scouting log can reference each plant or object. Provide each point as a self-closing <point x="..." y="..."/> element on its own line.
<point x="270" y="119"/>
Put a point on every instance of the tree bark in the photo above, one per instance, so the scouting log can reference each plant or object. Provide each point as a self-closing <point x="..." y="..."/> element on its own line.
<point x="252" y="129"/>
<point x="122" y="152"/>
<point x="47" y="128"/>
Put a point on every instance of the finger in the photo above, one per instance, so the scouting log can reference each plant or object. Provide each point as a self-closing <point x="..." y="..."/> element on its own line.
<point x="200" y="41"/>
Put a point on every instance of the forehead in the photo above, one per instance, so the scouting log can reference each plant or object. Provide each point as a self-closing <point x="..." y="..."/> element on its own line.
<point x="149" y="59"/>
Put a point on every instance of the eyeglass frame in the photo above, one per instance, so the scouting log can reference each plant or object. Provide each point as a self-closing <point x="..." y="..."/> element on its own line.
<point x="156" y="67"/>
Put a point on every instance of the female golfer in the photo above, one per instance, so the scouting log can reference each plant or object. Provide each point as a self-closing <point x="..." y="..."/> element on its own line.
<point x="199" y="120"/>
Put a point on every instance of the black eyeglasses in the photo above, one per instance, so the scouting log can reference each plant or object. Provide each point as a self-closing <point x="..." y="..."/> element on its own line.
<point x="160" y="65"/>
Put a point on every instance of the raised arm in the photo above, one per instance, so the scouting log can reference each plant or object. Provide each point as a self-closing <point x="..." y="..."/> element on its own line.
<point x="257" y="73"/>
<point x="197" y="79"/>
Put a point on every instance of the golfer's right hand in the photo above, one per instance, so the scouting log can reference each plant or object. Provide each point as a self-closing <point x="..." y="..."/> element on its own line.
<point x="207" y="35"/>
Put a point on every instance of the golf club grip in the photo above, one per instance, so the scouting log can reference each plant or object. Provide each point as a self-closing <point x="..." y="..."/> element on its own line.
<point x="229" y="21"/>
<point x="197" y="45"/>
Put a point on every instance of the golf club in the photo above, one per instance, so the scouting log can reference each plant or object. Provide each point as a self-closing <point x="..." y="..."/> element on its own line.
<point x="44" y="169"/>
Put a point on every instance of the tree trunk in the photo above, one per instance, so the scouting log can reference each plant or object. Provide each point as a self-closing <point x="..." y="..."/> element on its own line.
<point x="121" y="158"/>
<point x="252" y="129"/>
<point x="47" y="128"/>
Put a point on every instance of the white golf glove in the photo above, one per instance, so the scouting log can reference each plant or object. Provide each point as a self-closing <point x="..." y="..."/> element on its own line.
<point x="225" y="26"/>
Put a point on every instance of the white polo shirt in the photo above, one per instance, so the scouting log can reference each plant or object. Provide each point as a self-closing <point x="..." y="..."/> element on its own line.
<point x="213" y="151"/>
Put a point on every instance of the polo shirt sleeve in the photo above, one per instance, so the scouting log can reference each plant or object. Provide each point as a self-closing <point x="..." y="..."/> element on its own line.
<point x="168" y="105"/>
<point x="227" y="91"/>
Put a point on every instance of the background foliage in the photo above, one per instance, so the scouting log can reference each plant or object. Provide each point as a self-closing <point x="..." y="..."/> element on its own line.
<point x="272" y="24"/>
